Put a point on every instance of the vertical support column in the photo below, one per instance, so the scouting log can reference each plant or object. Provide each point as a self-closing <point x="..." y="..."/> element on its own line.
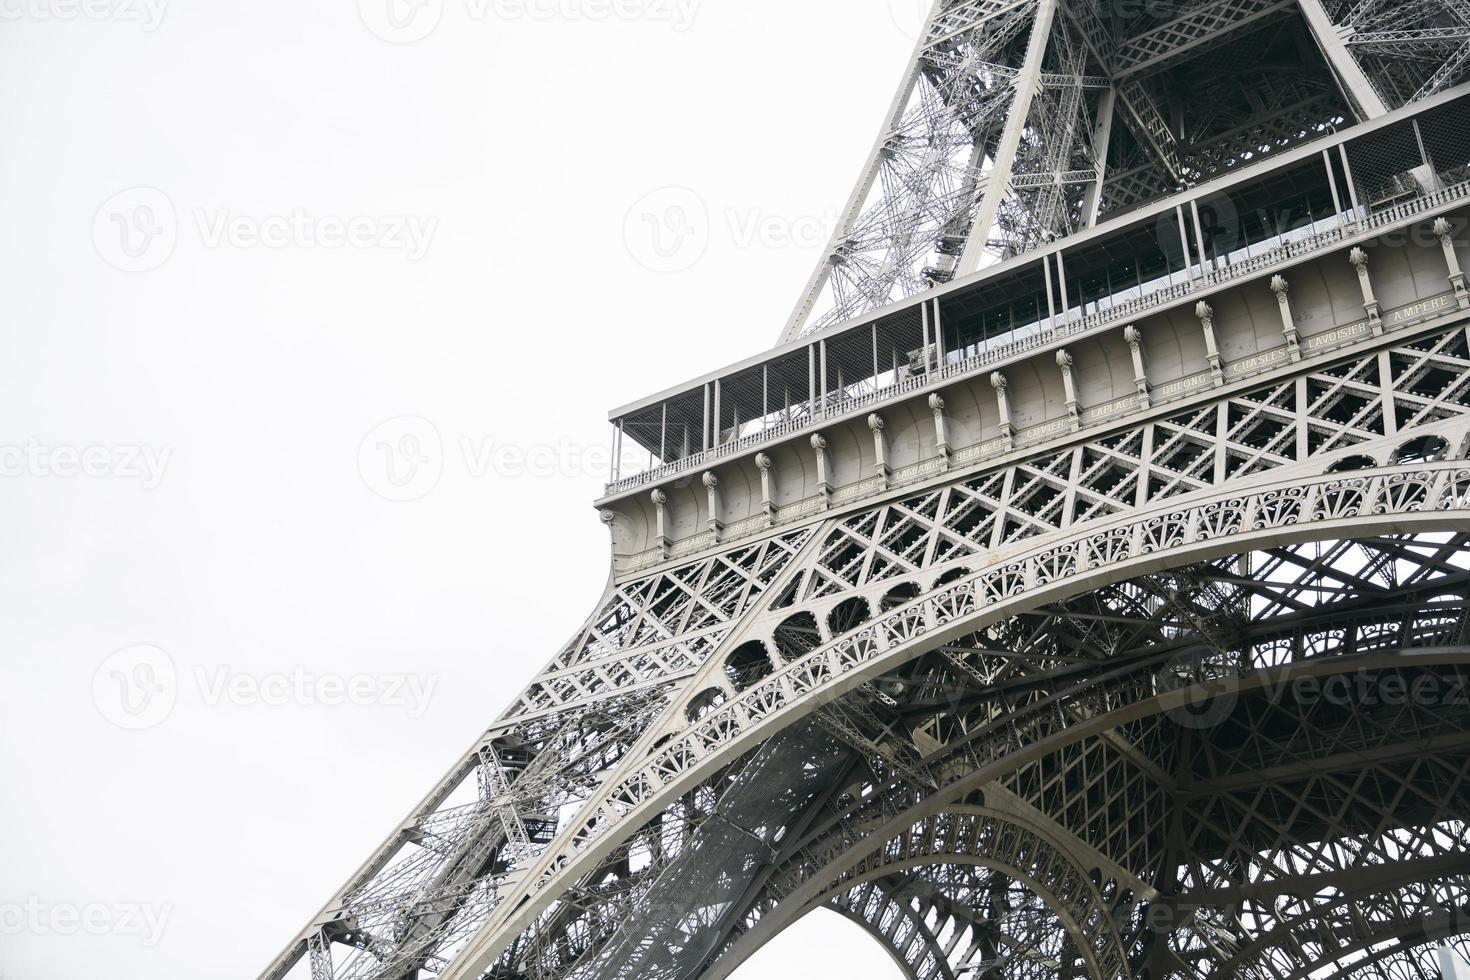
<point x="824" y="486"/>
<point x="1206" y="315"/>
<point x="938" y="339"/>
<point x="1199" y="241"/>
<point x="765" y="396"/>
<point x="1062" y="286"/>
<point x="811" y="379"/>
<point x="1332" y="182"/>
<point x="1303" y="411"/>
<point x="1444" y="231"/>
<point x="1007" y="430"/>
<point x="998" y="183"/>
<point x="661" y="505"/>
<point x="718" y="432"/>
<point x="1145" y="456"/>
<point x="1184" y="246"/>
<point x="704" y="438"/>
<point x="1222" y="440"/>
<point x="924" y="322"/>
<point x="663" y="435"/>
<point x="1347" y="171"/>
<point x="1074" y="480"/>
<point x="822" y="370"/>
<point x="1359" y="260"/>
<point x="1134" y="339"/>
<point x="1051" y="301"/>
<point x="941" y="437"/>
<point x="712" y="489"/>
<point x="763" y="463"/>
<point x="1069" y="389"/>
<point x="880" y="448"/>
<point x="1390" y="407"/>
<point x="1288" y="322"/>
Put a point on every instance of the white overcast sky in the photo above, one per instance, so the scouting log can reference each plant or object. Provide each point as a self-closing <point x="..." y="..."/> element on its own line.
<point x="186" y="484"/>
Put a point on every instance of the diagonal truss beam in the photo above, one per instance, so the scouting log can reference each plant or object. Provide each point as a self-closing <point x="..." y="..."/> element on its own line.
<point x="998" y="181"/>
<point x="1350" y="75"/>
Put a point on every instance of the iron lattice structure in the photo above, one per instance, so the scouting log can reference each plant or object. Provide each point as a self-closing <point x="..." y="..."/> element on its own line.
<point x="1100" y="611"/>
<point x="1021" y="122"/>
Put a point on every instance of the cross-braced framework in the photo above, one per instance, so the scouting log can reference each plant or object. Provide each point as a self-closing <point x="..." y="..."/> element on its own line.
<point x="1021" y="122"/>
<point x="1162" y="672"/>
<point x="1122" y="749"/>
<point x="1299" y="811"/>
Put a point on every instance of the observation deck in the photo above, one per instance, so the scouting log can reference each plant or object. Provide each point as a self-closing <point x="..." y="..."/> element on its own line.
<point x="1303" y="252"/>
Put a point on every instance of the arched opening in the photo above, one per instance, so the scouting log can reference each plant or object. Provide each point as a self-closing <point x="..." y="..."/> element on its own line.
<point x="848" y="616"/>
<point x="1351" y="463"/>
<point x="899" y="595"/>
<point x="822" y="944"/>
<point x="797" y="637"/>
<point x="1424" y="449"/>
<point x="950" y="577"/>
<point x="748" y="665"/>
<point x="704" y="703"/>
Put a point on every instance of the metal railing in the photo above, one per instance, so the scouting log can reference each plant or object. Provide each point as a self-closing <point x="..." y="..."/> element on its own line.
<point x="840" y="403"/>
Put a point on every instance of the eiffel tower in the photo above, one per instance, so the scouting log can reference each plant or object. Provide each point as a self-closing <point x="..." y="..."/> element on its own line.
<point x="1078" y="588"/>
